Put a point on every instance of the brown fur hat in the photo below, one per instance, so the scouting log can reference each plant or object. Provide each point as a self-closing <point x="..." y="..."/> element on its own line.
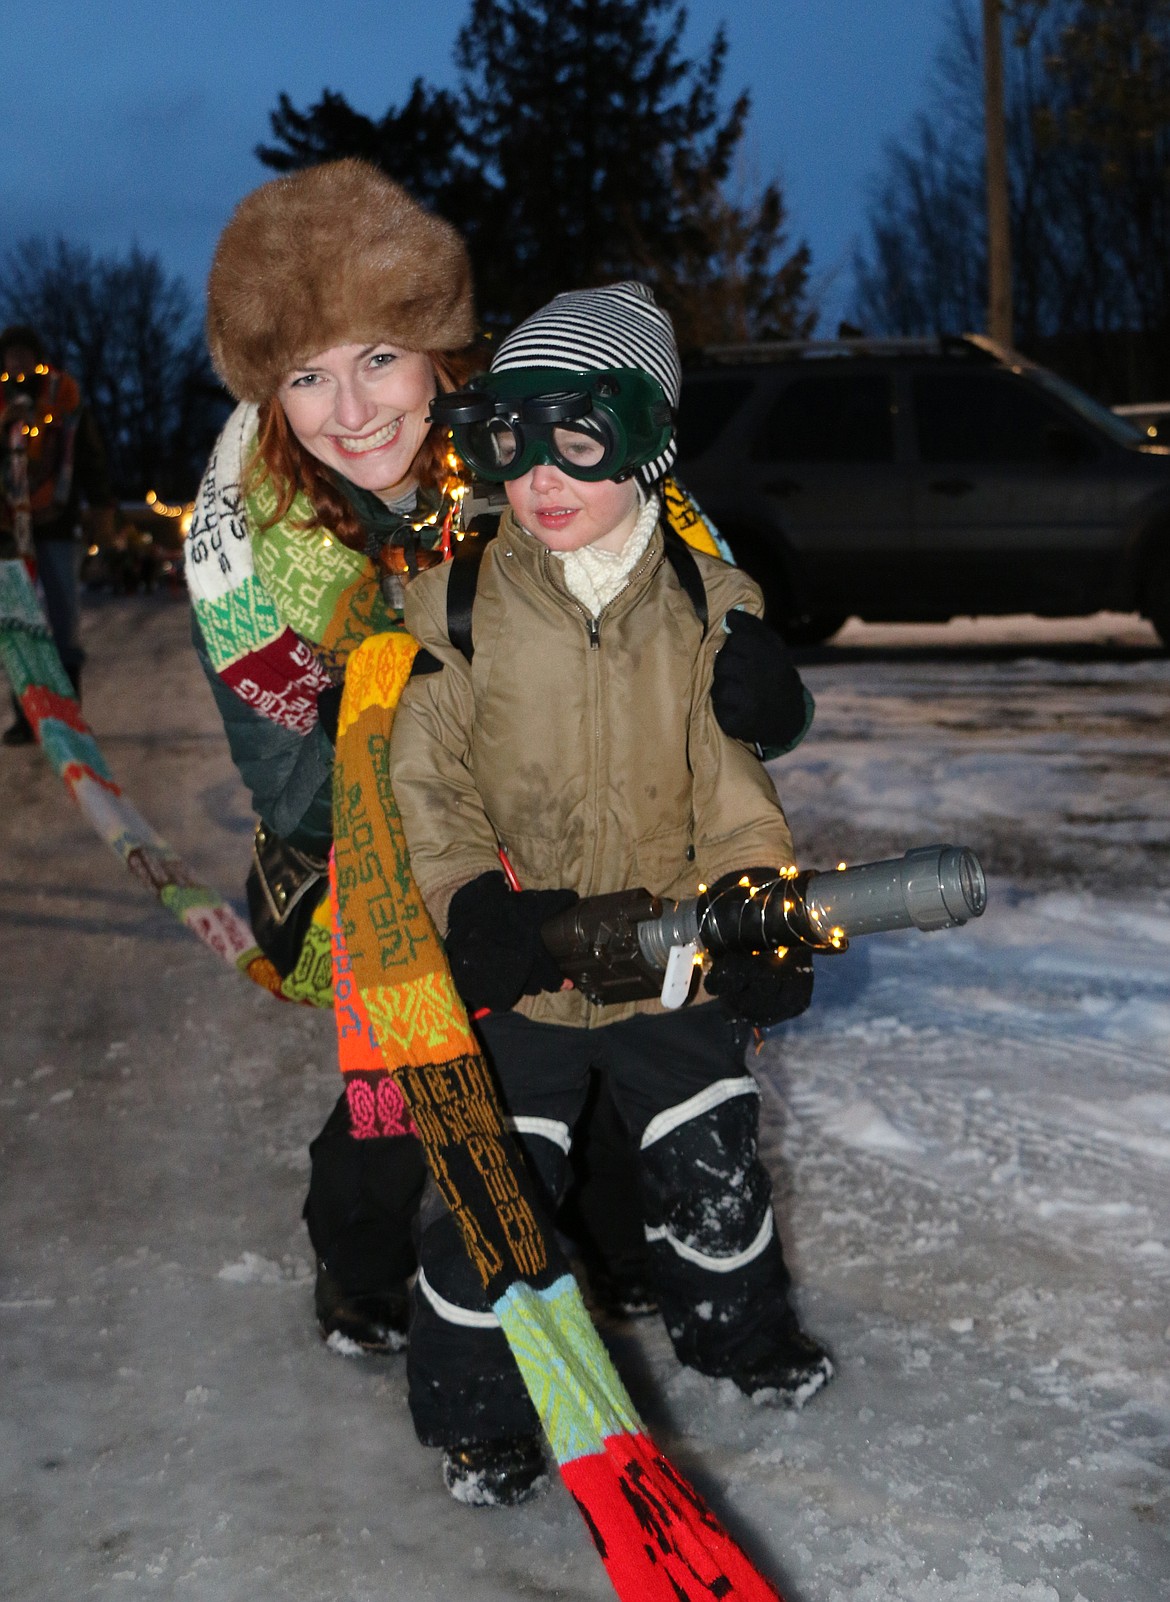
<point x="334" y="255"/>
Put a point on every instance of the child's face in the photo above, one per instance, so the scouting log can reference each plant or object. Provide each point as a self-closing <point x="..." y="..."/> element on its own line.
<point x="566" y="514"/>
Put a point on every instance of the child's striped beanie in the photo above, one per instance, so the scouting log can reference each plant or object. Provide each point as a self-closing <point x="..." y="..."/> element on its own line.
<point x="620" y="325"/>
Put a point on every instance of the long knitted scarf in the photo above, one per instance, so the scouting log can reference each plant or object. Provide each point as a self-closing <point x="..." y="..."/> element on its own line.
<point x="414" y="1063"/>
<point x="657" y="1538"/>
<point x="401" y="1021"/>
<point x="46" y="697"/>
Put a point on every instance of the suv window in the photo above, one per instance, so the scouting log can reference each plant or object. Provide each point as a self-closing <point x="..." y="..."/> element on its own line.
<point x="983" y="417"/>
<point x="830" y="417"/>
<point x="1119" y="429"/>
<point x="705" y="407"/>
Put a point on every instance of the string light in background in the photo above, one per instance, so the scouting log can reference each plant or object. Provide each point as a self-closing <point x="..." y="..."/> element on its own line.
<point x="183" y="513"/>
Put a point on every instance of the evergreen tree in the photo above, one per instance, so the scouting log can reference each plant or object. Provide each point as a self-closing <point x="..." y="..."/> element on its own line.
<point x="606" y="155"/>
<point x="418" y="146"/>
<point x="582" y="146"/>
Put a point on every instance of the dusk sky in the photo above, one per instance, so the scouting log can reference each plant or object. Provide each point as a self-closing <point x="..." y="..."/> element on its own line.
<point x="132" y="121"/>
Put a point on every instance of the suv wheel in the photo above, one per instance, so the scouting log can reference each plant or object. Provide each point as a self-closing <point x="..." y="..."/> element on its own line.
<point x="1156" y="593"/>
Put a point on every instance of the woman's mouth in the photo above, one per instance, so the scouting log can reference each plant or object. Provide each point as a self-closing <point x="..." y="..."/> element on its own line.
<point x="361" y="445"/>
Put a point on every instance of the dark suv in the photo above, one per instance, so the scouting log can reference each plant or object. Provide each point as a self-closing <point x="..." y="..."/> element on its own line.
<point x="915" y="480"/>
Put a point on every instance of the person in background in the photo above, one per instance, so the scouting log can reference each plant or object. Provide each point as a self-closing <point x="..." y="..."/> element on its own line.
<point x="51" y="458"/>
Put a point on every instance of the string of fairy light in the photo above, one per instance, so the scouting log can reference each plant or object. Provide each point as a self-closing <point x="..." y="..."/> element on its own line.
<point x="454" y="488"/>
<point x="835" y="937"/>
<point x="31" y="430"/>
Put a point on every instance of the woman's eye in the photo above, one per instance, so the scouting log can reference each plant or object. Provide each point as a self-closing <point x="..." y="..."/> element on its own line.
<point x="304" y="381"/>
<point x="383" y="358"/>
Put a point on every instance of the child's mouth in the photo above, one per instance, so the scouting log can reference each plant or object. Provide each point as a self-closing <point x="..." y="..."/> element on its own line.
<point x="554" y="516"/>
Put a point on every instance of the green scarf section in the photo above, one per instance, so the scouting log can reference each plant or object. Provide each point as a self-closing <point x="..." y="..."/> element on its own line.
<point x="282" y="604"/>
<point x="322" y="590"/>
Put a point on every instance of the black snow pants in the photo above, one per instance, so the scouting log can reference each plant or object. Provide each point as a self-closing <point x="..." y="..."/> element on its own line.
<point x="362" y="1203"/>
<point x="364" y="1197"/>
<point x="682" y="1091"/>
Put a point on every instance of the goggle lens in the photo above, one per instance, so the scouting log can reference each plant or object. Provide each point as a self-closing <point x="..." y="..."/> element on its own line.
<point x="508" y="448"/>
<point x="578" y="447"/>
<point x="491" y="444"/>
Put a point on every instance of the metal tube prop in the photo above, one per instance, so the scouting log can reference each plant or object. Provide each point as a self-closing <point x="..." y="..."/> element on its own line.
<point x="931" y="887"/>
<point x="617" y="947"/>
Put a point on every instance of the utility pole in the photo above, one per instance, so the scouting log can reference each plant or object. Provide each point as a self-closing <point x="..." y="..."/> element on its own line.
<point x="999" y="238"/>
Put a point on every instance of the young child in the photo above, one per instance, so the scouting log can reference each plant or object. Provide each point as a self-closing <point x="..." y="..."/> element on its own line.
<point x="580" y="737"/>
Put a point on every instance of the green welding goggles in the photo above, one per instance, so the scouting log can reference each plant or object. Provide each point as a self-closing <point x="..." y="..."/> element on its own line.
<point x="593" y="425"/>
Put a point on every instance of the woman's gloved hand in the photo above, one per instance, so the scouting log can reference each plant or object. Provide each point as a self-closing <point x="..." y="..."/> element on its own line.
<point x="761" y="988"/>
<point x="757" y="695"/>
<point x="494" y="945"/>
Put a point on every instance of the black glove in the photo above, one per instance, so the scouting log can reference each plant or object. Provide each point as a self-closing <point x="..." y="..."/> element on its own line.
<point x="760" y="988"/>
<point x="494" y="945"/>
<point x="757" y="694"/>
<point x="329" y="709"/>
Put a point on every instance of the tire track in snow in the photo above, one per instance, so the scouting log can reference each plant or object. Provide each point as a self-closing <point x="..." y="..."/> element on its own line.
<point x="1073" y="1167"/>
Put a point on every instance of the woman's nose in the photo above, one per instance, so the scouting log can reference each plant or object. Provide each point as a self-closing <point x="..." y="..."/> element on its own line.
<point x="353" y="408"/>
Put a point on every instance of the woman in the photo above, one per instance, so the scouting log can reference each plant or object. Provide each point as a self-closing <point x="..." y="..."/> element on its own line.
<point x="336" y="308"/>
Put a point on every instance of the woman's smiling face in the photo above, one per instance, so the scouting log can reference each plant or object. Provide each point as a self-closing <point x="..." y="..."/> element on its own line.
<point x="362" y="409"/>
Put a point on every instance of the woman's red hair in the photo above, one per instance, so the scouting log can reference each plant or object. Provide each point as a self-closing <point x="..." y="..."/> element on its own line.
<point x="281" y="458"/>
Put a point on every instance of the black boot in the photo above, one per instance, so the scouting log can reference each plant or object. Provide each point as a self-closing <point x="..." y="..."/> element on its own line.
<point x="495" y="1473"/>
<point x="620" y="1293"/>
<point x="794" y="1369"/>
<point x="375" y="1322"/>
<point x="20" y="732"/>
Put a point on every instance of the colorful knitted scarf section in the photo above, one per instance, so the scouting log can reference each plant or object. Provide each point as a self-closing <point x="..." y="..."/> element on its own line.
<point x="657" y="1538"/>
<point x="46" y="697"/>
<point x="279" y="611"/>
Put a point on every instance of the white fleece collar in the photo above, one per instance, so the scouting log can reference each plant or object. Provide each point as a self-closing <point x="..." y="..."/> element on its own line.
<point x="596" y="577"/>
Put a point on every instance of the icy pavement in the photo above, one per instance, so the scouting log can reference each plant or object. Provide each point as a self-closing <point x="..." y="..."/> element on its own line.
<point x="970" y="1135"/>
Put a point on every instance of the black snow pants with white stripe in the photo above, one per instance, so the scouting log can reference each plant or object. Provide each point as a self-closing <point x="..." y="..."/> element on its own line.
<point x="680" y="1086"/>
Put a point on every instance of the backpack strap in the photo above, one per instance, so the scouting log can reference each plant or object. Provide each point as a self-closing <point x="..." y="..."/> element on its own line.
<point x="463" y="580"/>
<point x="686" y="571"/>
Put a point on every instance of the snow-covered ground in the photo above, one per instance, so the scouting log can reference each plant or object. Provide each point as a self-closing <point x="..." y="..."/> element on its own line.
<point x="969" y="1132"/>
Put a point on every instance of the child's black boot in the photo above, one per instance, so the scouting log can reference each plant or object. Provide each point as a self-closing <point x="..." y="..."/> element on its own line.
<point x="495" y="1473"/>
<point x="793" y="1369"/>
<point x="374" y="1321"/>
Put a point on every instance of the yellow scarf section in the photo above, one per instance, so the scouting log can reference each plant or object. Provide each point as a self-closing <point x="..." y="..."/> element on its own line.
<point x="394" y="989"/>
